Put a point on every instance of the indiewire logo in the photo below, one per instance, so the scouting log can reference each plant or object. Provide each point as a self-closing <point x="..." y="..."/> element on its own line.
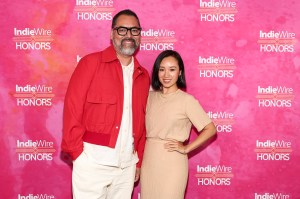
<point x="36" y="95"/>
<point x="220" y="67"/>
<point x="217" y="10"/>
<point x="160" y="39"/>
<point x="222" y="120"/>
<point x="279" y="96"/>
<point x="271" y="196"/>
<point x="94" y="10"/>
<point x="32" y="39"/>
<point x="38" y="150"/>
<point x="36" y="196"/>
<point x="277" y="150"/>
<point x="209" y="175"/>
<point x="278" y="42"/>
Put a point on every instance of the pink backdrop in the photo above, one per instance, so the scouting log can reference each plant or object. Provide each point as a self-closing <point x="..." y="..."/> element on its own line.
<point x="242" y="63"/>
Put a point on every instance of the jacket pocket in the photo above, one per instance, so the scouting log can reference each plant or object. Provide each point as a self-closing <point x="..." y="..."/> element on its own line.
<point x="100" y="109"/>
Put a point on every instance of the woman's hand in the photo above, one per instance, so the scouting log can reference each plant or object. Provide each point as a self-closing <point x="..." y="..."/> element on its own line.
<point x="207" y="132"/>
<point x="174" y="145"/>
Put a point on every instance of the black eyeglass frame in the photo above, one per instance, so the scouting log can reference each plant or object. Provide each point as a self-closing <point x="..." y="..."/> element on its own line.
<point x="130" y="29"/>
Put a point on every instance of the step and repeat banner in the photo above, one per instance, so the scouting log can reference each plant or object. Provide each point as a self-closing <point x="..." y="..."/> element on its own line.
<point x="242" y="60"/>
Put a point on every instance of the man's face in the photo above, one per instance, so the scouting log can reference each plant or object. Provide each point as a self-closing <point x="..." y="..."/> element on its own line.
<point x="125" y="45"/>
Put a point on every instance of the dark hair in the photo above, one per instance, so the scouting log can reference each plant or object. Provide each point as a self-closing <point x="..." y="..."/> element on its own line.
<point x="124" y="12"/>
<point x="156" y="85"/>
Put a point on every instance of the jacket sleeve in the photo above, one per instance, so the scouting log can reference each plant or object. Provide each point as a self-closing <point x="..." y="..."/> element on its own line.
<point x="73" y="128"/>
<point x="142" y="140"/>
<point x="140" y="148"/>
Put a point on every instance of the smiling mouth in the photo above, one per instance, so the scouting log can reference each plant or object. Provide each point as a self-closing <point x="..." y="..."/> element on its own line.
<point x="131" y="42"/>
<point x="167" y="80"/>
<point x="128" y="41"/>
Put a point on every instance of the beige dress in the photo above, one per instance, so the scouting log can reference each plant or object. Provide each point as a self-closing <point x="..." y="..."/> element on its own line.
<point x="168" y="116"/>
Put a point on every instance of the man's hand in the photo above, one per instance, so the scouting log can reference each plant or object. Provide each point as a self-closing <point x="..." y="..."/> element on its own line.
<point x="137" y="174"/>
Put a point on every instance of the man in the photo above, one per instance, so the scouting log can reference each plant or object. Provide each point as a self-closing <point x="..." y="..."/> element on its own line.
<point x="104" y="115"/>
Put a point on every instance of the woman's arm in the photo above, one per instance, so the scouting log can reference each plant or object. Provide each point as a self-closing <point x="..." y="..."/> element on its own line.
<point x="208" y="132"/>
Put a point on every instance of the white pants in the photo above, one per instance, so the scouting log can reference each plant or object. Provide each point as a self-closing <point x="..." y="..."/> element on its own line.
<point x="94" y="181"/>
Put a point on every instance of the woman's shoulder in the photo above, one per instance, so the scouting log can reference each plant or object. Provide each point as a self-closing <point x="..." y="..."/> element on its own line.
<point x="152" y="94"/>
<point x="186" y="95"/>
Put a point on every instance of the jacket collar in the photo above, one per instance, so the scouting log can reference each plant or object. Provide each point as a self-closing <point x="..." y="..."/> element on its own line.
<point x="109" y="54"/>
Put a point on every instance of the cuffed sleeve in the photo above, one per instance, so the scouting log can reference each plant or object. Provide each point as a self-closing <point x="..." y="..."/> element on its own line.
<point x="140" y="148"/>
<point x="196" y="113"/>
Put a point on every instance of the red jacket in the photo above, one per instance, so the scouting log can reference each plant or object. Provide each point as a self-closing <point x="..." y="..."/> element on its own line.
<point x="94" y="103"/>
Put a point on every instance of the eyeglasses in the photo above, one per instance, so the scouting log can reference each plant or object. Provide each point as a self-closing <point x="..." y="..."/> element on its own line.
<point x="122" y="31"/>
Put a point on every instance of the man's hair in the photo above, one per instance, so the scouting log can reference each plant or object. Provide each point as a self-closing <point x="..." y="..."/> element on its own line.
<point x="124" y="12"/>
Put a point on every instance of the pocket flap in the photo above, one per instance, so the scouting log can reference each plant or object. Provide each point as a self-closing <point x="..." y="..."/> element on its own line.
<point x="99" y="99"/>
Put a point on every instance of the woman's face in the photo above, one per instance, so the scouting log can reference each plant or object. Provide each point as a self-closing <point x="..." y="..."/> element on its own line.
<point x="168" y="73"/>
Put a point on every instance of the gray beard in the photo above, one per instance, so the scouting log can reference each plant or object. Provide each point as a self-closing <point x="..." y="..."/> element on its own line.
<point x="126" y="51"/>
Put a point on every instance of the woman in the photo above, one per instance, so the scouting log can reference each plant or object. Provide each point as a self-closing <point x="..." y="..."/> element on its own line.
<point x="169" y="117"/>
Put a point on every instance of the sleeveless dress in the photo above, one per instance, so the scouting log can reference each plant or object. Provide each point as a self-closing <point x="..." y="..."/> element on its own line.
<point x="168" y="117"/>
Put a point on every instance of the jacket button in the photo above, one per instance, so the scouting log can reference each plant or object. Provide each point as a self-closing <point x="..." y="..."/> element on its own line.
<point x="117" y="127"/>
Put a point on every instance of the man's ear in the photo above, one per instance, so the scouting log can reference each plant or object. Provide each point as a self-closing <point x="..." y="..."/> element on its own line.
<point x="111" y="34"/>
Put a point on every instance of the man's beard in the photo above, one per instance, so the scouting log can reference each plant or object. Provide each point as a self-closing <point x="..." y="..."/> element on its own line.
<point x="126" y="50"/>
